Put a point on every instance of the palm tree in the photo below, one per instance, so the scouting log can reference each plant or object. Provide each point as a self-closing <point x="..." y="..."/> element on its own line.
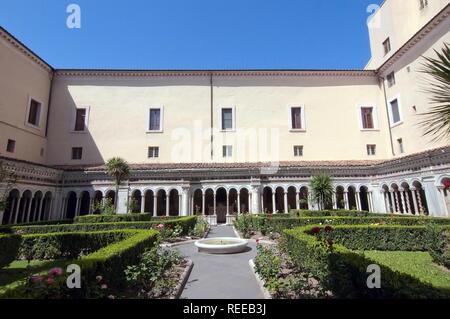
<point x="436" y="122"/>
<point x="322" y="190"/>
<point x="118" y="169"/>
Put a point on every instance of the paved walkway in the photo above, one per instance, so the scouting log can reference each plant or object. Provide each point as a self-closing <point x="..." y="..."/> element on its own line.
<point x="220" y="276"/>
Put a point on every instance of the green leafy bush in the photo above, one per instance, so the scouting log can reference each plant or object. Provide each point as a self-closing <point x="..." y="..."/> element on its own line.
<point x="9" y="249"/>
<point x="439" y="247"/>
<point x="112" y="218"/>
<point x="267" y="265"/>
<point x="149" y="276"/>
<point x="343" y="271"/>
<point x="244" y="224"/>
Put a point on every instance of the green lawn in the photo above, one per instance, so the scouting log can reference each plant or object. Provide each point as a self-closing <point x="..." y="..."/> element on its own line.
<point x="417" y="264"/>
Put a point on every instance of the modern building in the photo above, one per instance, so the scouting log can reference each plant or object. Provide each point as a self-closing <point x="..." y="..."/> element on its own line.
<point x="226" y="142"/>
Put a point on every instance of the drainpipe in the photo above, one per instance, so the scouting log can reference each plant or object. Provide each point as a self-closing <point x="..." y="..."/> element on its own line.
<point x="49" y="103"/>
<point x="212" y="115"/>
<point x="387" y="113"/>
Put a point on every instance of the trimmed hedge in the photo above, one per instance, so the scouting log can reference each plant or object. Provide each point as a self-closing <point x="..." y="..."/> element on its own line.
<point x="6" y="229"/>
<point x="67" y="245"/>
<point x="9" y="249"/>
<point x="91" y="219"/>
<point x="341" y="212"/>
<point x="279" y="224"/>
<point x="187" y="223"/>
<point x="344" y="271"/>
<point x="109" y="262"/>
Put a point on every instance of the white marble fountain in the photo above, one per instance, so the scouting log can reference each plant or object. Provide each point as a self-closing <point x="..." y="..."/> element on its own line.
<point x="222" y="245"/>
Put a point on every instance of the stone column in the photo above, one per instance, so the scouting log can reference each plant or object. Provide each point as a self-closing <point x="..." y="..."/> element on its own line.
<point x="286" y="209"/>
<point x="122" y="199"/>
<point x="402" y="198"/>
<point x="386" y="201"/>
<point x="414" y="198"/>
<point x="419" y="202"/>
<point x="184" y="202"/>
<point x="203" y="203"/>
<point x="408" y="205"/>
<point x="14" y="210"/>
<point x="91" y="202"/>
<point x="334" y="201"/>
<point x="297" y="200"/>
<point x="182" y="210"/>
<point x="370" y="201"/>
<point x="167" y="203"/>
<point x="274" y="209"/>
<point x="358" y="200"/>
<point x="239" y="202"/>
<point x="63" y="208"/>
<point x="155" y="205"/>
<point x="215" y="208"/>
<point x="77" y="209"/>
<point x="39" y="213"/>
<point x="347" y="204"/>
<point x="228" y="202"/>
<point x="16" y="216"/>
<point x="393" y="202"/>
<point x="30" y="202"/>
<point x="142" y="203"/>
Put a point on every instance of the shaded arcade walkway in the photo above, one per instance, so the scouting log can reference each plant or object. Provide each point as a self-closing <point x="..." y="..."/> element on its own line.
<point x="220" y="276"/>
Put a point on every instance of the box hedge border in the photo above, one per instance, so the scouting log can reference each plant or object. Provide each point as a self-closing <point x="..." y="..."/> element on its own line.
<point x="9" y="248"/>
<point x="108" y="262"/>
<point x="344" y="271"/>
<point x="187" y="223"/>
<point x="145" y="217"/>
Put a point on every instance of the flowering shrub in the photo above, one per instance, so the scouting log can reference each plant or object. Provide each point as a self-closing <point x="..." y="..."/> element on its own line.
<point x="244" y="224"/>
<point x="267" y="265"/>
<point x="45" y="286"/>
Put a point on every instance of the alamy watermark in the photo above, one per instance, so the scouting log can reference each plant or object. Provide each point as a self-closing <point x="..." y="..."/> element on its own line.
<point x="74" y="18"/>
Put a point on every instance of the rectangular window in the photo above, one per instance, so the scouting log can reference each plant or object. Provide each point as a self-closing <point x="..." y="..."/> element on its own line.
<point x="153" y="152"/>
<point x="34" y="112"/>
<point x="298" y="150"/>
<point x="227" y="151"/>
<point x="296" y="118"/>
<point x="395" y="112"/>
<point x="391" y="79"/>
<point x="367" y="117"/>
<point x="400" y="146"/>
<point x="423" y="4"/>
<point x="155" y="119"/>
<point x="77" y="153"/>
<point x="387" y="46"/>
<point x="371" y="149"/>
<point x="11" y="146"/>
<point x="80" y="121"/>
<point x="227" y="119"/>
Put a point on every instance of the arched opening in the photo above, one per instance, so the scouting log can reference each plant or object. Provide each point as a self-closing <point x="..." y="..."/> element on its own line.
<point x="421" y="198"/>
<point x="221" y="205"/>
<point x="279" y="200"/>
<point x="85" y="201"/>
<point x="174" y="203"/>
<point x="267" y="200"/>
<point x="12" y="204"/>
<point x="352" y="198"/>
<point x="135" y="202"/>
<point x="197" y="205"/>
<point x="149" y="202"/>
<point x="233" y="201"/>
<point x="209" y="202"/>
<point x="98" y="198"/>
<point x="111" y="197"/>
<point x="245" y="200"/>
<point x="161" y="200"/>
<point x="71" y="205"/>
<point x="304" y="203"/>
<point x="364" y="198"/>
<point x="340" y="198"/>
<point x="292" y="198"/>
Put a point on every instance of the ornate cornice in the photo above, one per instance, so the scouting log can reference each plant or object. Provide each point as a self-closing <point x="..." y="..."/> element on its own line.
<point x="218" y="73"/>
<point x="422" y="33"/>
<point x="8" y="37"/>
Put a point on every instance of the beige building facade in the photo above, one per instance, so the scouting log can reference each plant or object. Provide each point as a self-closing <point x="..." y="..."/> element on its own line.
<point x="225" y="142"/>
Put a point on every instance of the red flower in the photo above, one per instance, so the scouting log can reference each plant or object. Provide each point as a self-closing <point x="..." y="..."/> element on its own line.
<point x="315" y="230"/>
<point x="269" y="217"/>
<point x="446" y="184"/>
<point x="257" y="242"/>
<point x="50" y="281"/>
<point x="55" y="272"/>
<point x="328" y="229"/>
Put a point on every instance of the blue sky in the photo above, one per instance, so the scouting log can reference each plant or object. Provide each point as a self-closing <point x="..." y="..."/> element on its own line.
<point x="195" y="34"/>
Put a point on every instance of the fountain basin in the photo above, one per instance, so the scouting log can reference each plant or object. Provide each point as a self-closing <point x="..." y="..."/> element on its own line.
<point x="221" y="245"/>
